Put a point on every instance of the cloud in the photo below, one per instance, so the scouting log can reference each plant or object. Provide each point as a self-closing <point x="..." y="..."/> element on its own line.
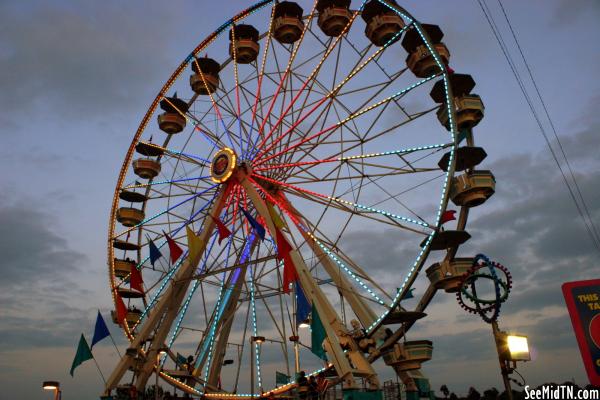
<point x="38" y="288"/>
<point x="75" y="62"/>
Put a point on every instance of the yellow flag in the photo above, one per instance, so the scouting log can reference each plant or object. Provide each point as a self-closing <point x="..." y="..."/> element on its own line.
<point x="194" y="243"/>
<point x="277" y="220"/>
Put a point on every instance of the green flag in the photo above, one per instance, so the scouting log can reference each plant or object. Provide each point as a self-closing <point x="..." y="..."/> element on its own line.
<point x="281" y="378"/>
<point x="317" y="334"/>
<point x="83" y="354"/>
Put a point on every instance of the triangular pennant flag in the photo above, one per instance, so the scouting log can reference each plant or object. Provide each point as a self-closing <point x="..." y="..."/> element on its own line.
<point x="448" y="215"/>
<point x="155" y="254"/>
<point x="174" y="249"/>
<point x="283" y="246"/>
<point x="450" y="70"/>
<point x="277" y="220"/>
<point x="83" y="354"/>
<point x="289" y="273"/>
<point x="194" y="243"/>
<point x="258" y="228"/>
<point x="135" y="280"/>
<point x="121" y="309"/>
<point x="409" y="294"/>
<point x="303" y="307"/>
<point x="317" y="335"/>
<point x="222" y="229"/>
<point x="100" y="330"/>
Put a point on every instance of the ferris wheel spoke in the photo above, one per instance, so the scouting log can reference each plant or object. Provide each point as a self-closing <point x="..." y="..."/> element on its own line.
<point x="333" y="92"/>
<point x="167" y="182"/>
<point x="291" y="59"/>
<point x="347" y="119"/>
<point x="311" y="76"/>
<point x="152" y="218"/>
<point x="260" y="76"/>
<point x="354" y="206"/>
<point x="214" y="140"/>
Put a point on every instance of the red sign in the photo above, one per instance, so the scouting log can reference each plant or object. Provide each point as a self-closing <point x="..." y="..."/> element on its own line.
<point x="583" y="302"/>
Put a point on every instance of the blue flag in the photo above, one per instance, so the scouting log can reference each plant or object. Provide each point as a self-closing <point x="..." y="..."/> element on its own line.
<point x="100" y="331"/>
<point x="303" y="307"/>
<point x="155" y="254"/>
<point x="258" y="228"/>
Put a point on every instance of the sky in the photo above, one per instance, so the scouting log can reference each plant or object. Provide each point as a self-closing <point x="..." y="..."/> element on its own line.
<point x="77" y="78"/>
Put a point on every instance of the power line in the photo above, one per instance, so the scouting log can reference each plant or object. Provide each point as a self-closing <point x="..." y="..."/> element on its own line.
<point x="537" y="90"/>
<point x="497" y="34"/>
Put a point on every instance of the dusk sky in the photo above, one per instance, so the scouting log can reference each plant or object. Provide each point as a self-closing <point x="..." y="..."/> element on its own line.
<point x="77" y="77"/>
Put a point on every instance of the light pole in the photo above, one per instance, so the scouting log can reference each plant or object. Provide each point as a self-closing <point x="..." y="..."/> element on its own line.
<point x="511" y="348"/>
<point x="254" y="340"/>
<point x="53" y="385"/>
<point x="161" y="352"/>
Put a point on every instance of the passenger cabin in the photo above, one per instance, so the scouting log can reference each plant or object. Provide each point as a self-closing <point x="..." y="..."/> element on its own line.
<point x="245" y="39"/>
<point x="287" y="22"/>
<point x="129" y="216"/>
<point x="122" y="268"/>
<point x="468" y="107"/>
<point x="172" y="120"/>
<point x="472" y="188"/>
<point x="447" y="239"/>
<point x="420" y="60"/>
<point x="409" y="355"/>
<point x="148" y="149"/>
<point x="205" y="79"/>
<point x="334" y="15"/>
<point x="448" y="274"/>
<point x="466" y="157"/>
<point x="146" y="168"/>
<point x="383" y="23"/>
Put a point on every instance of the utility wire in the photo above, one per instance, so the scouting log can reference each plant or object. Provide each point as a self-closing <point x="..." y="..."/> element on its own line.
<point x="488" y="15"/>
<point x="562" y="150"/>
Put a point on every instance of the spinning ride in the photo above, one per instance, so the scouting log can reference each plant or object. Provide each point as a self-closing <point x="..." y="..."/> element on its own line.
<point x="301" y="173"/>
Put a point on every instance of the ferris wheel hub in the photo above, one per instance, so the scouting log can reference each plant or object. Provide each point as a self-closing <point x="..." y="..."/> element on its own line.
<point x="223" y="165"/>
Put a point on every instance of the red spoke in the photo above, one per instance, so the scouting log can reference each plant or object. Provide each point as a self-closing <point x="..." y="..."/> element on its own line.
<point x="297" y="164"/>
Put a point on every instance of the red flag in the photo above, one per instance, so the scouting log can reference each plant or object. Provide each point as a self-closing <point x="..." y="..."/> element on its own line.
<point x="450" y="70"/>
<point x="135" y="280"/>
<point x="121" y="309"/>
<point x="223" y="231"/>
<point x="289" y="273"/>
<point x="174" y="249"/>
<point x="448" y="215"/>
<point x="283" y="247"/>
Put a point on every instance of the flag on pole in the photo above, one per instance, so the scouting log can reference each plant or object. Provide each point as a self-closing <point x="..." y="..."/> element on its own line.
<point x="121" y="309"/>
<point x="258" y="228"/>
<point x="448" y="215"/>
<point x="302" y="305"/>
<point x="317" y="335"/>
<point x="277" y="220"/>
<point x="174" y="249"/>
<point x="100" y="330"/>
<point x="83" y="354"/>
<point x="222" y="229"/>
<point x="155" y="254"/>
<point x="135" y="280"/>
<point x="194" y="242"/>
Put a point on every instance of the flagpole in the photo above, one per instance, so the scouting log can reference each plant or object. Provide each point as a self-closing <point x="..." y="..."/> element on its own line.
<point x="115" y="344"/>
<point x="99" y="370"/>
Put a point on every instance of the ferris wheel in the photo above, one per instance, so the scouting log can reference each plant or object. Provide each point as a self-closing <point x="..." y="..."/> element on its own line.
<point x="300" y="167"/>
